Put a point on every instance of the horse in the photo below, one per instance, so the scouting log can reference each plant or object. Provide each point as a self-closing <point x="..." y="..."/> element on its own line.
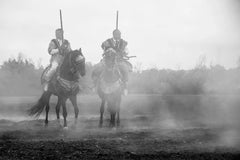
<point x="109" y="88"/>
<point x="64" y="85"/>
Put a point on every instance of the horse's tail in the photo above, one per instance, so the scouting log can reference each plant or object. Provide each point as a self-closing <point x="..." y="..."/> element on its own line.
<point x="37" y="109"/>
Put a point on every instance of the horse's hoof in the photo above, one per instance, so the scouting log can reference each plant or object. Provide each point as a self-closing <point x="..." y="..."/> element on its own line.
<point x="45" y="124"/>
<point x="114" y="128"/>
<point x="74" y="127"/>
<point x="65" y="128"/>
<point x="118" y="126"/>
<point x="75" y="122"/>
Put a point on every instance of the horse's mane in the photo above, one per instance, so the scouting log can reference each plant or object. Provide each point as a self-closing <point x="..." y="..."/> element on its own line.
<point x="66" y="66"/>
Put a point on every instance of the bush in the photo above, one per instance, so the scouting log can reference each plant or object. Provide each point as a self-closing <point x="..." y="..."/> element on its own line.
<point x="19" y="76"/>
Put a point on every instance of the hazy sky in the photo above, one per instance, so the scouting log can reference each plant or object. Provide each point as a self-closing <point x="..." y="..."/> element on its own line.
<point x="161" y="33"/>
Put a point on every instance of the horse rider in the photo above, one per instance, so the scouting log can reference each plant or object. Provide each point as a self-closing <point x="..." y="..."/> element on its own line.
<point x="57" y="48"/>
<point x="120" y="47"/>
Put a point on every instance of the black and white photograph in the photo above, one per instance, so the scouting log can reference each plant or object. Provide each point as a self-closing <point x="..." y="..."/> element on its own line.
<point x="119" y="79"/>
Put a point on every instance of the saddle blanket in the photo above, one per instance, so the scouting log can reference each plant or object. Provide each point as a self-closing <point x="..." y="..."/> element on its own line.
<point x="68" y="85"/>
<point x="109" y="88"/>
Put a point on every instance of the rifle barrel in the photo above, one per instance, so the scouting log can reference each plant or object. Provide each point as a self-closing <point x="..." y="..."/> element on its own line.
<point x="61" y="23"/>
<point x="117" y="21"/>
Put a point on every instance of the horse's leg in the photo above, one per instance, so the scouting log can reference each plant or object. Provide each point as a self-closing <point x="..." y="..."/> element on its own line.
<point x="64" y="112"/>
<point x="73" y="99"/>
<point x="58" y="110"/>
<point x="47" y="109"/>
<point x="113" y="121"/>
<point x="118" y="119"/>
<point x="118" y="111"/>
<point x="101" y="113"/>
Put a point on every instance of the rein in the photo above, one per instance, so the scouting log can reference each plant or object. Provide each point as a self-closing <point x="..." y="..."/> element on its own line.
<point x="71" y="65"/>
<point x="115" y="67"/>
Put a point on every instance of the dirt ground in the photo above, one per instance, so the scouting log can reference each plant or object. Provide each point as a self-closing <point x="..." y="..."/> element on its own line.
<point x="143" y="133"/>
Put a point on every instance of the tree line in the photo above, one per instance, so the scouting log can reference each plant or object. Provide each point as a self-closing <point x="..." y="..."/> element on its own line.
<point x="20" y="77"/>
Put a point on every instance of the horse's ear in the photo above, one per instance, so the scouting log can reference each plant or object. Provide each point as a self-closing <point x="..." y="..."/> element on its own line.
<point x="80" y="50"/>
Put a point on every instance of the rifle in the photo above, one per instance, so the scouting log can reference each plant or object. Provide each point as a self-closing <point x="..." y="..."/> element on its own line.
<point x="128" y="57"/>
<point x="61" y="24"/>
<point x="117" y="21"/>
<point x="124" y="57"/>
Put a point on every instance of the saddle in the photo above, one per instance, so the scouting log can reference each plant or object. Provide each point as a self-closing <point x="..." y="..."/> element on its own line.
<point x="109" y="88"/>
<point x="59" y="82"/>
<point x="69" y="86"/>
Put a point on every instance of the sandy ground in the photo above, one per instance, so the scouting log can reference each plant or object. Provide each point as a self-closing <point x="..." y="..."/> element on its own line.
<point x="151" y="128"/>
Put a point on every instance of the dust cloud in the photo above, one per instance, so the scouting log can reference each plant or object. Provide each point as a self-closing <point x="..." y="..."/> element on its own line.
<point x="201" y="98"/>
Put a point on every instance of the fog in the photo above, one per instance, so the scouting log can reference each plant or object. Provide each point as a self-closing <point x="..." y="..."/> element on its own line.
<point x="185" y="79"/>
<point x="200" y="98"/>
<point x="166" y="34"/>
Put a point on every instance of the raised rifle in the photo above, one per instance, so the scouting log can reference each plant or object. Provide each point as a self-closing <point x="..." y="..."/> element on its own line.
<point x="124" y="57"/>
<point x="117" y="21"/>
<point x="61" y="23"/>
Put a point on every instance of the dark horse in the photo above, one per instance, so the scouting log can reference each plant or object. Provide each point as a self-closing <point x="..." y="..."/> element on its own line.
<point x="109" y="88"/>
<point x="64" y="84"/>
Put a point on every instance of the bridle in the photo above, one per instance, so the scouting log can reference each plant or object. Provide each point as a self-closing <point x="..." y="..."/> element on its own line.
<point x="73" y="66"/>
<point x="115" y="66"/>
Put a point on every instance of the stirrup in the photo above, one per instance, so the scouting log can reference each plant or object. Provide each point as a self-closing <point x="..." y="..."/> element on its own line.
<point x="125" y="92"/>
<point x="45" y="86"/>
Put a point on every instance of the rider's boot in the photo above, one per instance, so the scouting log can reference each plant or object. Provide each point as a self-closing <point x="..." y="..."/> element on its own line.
<point x="49" y="74"/>
<point x="125" y="90"/>
<point x="45" y="87"/>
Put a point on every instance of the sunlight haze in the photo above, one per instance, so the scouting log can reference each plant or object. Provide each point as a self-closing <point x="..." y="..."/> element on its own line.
<point x="164" y="34"/>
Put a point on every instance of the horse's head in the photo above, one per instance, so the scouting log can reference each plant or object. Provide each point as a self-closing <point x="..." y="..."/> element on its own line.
<point x="110" y="58"/>
<point x="77" y="61"/>
<point x="111" y="73"/>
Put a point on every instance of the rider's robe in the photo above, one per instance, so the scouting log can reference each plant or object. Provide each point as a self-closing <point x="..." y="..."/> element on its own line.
<point x="119" y="46"/>
<point x="57" y="49"/>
